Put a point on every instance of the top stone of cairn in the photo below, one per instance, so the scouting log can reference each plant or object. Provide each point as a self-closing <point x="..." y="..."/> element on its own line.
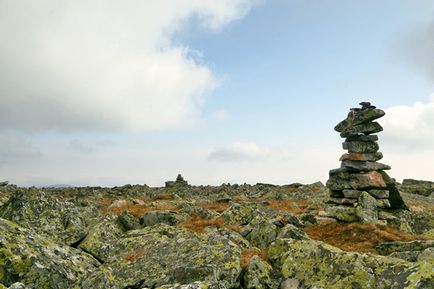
<point x="358" y="118"/>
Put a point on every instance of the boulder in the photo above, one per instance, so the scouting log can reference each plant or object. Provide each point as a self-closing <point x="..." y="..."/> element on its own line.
<point x="262" y="232"/>
<point x="292" y="232"/>
<point x="158" y="217"/>
<point x="159" y="255"/>
<point x="38" y="262"/>
<point x="314" y="263"/>
<point x="257" y="274"/>
<point x="424" y="188"/>
<point x="101" y="238"/>
<point x="61" y="220"/>
<point x="128" y="221"/>
<point x="242" y="213"/>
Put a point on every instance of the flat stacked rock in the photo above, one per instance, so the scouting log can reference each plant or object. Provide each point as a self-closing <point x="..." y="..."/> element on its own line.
<point x="361" y="181"/>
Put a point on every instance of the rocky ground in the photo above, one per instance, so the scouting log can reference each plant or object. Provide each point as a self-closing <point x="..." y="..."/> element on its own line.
<point x="230" y="236"/>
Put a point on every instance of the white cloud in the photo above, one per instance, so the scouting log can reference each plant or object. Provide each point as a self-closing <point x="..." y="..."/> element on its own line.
<point x="74" y="65"/>
<point x="410" y="126"/>
<point x="13" y="148"/>
<point x="242" y="151"/>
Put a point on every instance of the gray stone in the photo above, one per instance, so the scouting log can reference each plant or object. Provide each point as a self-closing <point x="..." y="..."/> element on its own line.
<point x="159" y="217"/>
<point x="262" y="232"/>
<point x="364" y="166"/>
<point x="358" y="118"/>
<point x="342" y="179"/>
<point x="391" y="247"/>
<point x="367" y="208"/>
<point x="360" y="146"/>
<point x="362" y="157"/>
<point x="257" y="274"/>
<point x="424" y="188"/>
<point x="341" y="213"/>
<point x="128" y="221"/>
<point x="343" y="201"/>
<point x="291" y="232"/>
<point x="351" y="194"/>
<point x="366" y="128"/>
<point x="379" y="194"/>
<point x="383" y="203"/>
<point x="363" y="138"/>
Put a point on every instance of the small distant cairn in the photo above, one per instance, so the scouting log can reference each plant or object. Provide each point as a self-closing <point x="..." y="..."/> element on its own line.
<point x="178" y="182"/>
<point x="361" y="183"/>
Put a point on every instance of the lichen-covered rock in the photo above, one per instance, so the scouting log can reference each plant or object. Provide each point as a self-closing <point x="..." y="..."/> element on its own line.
<point x="424" y="188"/>
<point x="367" y="208"/>
<point x="241" y="213"/>
<point x="158" y="217"/>
<point x="128" y="221"/>
<point x="159" y="255"/>
<point x="262" y="232"/>
<point x="390" y="247"/>
<point x="63" y="221"/>
<point x="101" y="238"/>
<point x="341" y="213"/>
<point x="365" y="128"/>
<point x="292" y="232"/>
<point x="38" y="262"/>
<point x="257" y="274"/>
<point x="362" y="116"/>
<point x="317" y="264"/>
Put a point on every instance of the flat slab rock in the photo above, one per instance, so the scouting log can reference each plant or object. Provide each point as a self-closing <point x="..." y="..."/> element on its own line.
<point x="360" y="117"/>
<point x="366" y="128"/>
<point x="361" y="146"/>
<point x="364" y="166"/>
<point x="362" y="157"/>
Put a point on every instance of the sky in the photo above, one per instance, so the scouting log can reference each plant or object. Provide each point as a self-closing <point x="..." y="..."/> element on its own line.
<point x="241" y="91"/>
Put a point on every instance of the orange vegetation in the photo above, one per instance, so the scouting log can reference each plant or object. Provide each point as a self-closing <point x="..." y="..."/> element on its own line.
<point x="247" y="254"/>
<point x="215" y="206"/>
<point x="165" y="196"/>
<point x="291" y="206"/>
<point x="138" y="210"/>
<point x="420" y="205"/>
<point x="132" y="257"/>
<point x="197" y="224"/>
<point x="356" y="236"/>
<point x="245" y="200"/>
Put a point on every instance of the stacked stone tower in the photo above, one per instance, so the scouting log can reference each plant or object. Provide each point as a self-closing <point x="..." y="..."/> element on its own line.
<point x="361" y="182"/>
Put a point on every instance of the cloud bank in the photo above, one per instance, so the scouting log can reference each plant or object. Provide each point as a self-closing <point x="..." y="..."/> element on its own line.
<point x="104" y="65"/>
<point x="410" y="126"/>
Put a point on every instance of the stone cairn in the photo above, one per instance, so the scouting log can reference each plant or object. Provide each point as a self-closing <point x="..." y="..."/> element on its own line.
<point x="361" y="183"/>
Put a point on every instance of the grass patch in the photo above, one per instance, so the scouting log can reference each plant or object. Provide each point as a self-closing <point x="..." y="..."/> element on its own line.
<point x="290" y="206"/>
<point x="247" y="254"/>
<point x="215" y="206"/>
<point x="138" y="210"/>
<point x="356" y="237"/>
<point x="132" y="257"/>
